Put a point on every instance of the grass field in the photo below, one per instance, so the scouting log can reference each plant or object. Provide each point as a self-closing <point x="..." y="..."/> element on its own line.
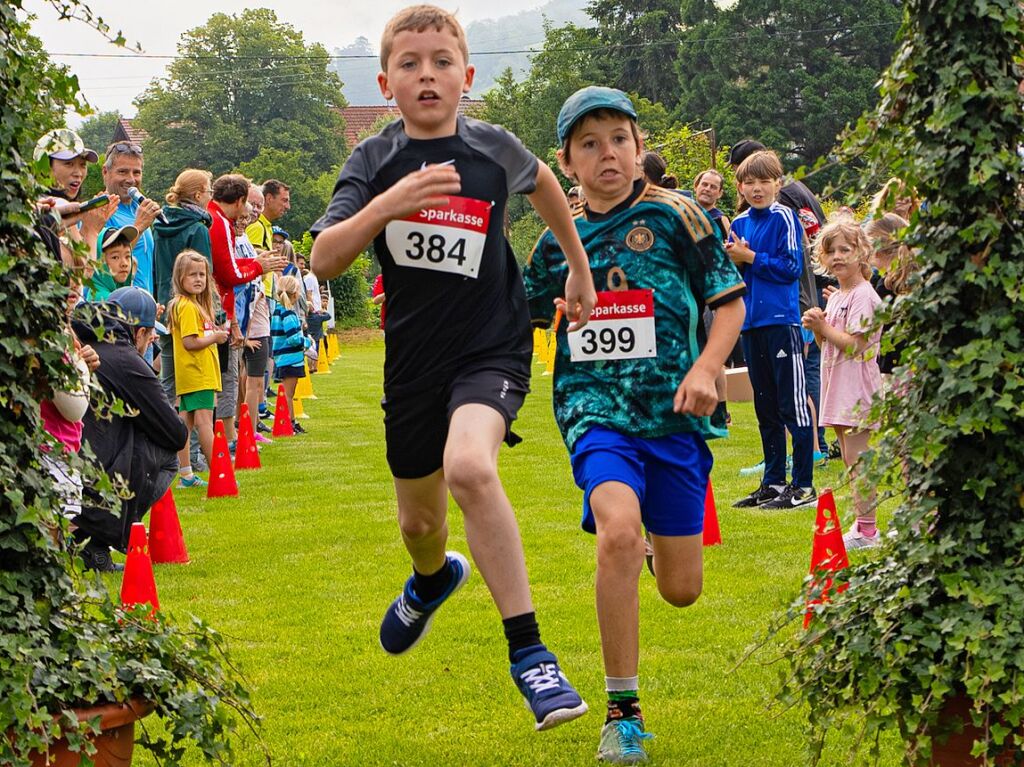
<point x="298" y="569"/>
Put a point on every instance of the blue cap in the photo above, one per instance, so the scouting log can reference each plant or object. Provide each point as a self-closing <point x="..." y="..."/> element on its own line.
<point x="280" y="231"/>
<point x="138" y="306"/>
<point x="588" y="99"/>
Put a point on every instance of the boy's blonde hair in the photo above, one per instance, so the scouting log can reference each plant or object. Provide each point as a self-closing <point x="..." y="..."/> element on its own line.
<point x="849" y="231"/>
<point x="184" y="260"/>
<point x="419" y="18"/>
<point x="288" y="290"/>
<point x="760" y="165"/>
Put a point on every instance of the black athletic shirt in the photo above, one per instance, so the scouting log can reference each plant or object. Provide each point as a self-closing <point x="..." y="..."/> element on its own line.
<point x="455" y="292"/>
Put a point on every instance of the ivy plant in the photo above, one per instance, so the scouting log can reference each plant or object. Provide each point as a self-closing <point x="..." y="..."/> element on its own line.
<point x="64" y="641"/>
<point x="939" y="613"/>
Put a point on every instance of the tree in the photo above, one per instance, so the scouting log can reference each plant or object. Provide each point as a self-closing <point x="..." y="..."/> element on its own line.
<point x="98" y="131"/>
<point x="242" y="85"/>
<point x="791" y="73"/>
<point x="638" y="43"/>
<point x="936" y="619"/>
<point x="309" y="194"/>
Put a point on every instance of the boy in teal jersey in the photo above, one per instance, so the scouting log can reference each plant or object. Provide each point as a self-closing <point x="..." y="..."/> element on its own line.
<point x="634" y="389"/>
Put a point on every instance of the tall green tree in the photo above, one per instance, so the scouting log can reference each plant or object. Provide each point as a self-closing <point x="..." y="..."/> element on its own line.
<point x="97" y="131"/>
<point x="309" y="194"/>
<point x="637" y="42"/>
<point x="792" y="73"/>
<point x="242" y="84"/>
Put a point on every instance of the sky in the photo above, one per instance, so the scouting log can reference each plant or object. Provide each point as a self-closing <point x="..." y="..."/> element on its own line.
<point x="112" y="83"/>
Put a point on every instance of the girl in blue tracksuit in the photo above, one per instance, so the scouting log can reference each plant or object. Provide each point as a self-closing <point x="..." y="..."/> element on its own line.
<point x="287" y="342"/>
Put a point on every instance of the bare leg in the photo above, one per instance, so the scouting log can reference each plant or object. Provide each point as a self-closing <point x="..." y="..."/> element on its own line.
<point x="853" y="444"/>
<point x="471" y="471"/>
<point x="253" y="392"/>
<point x="204" y="424"/>
<point x="184" y="459"/>
<point x="620" y="556"/>
<point x="423" y="520"/>
<point x="289" y="393"/>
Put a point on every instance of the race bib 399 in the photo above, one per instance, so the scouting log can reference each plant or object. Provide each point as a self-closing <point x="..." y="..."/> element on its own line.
<point x="621" y="328"/>
<point x="443" y="239"/>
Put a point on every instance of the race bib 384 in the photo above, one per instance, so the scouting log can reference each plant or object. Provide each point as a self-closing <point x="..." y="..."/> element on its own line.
<point x="443" y="239"/>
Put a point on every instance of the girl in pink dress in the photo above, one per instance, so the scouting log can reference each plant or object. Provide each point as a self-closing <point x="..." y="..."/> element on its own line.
<point x="848" y="338"/>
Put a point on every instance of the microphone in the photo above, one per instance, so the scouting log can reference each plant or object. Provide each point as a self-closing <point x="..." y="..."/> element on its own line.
<point x="135" y="194"/>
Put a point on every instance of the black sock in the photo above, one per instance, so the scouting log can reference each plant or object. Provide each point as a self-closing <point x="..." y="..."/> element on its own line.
<point x="521" y="631"/>
<point x="430" y="587"/>
<point x="622" y="705"/>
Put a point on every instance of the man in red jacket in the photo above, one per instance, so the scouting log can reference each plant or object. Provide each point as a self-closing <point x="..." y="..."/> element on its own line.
<point x="230" y="194"/>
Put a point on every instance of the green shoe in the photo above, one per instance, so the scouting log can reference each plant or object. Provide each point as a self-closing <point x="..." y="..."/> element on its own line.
<point x="622" y="742"/>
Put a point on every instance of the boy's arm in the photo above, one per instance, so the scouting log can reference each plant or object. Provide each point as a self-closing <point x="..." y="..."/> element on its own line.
<point x="783" y="262"/>
<point x="549" y="201"/>
<point x="338" y="245"/>
<point x="697" y="394"/>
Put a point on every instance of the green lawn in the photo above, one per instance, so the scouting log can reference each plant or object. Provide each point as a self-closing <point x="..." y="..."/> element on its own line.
<point x="298" y="569"/>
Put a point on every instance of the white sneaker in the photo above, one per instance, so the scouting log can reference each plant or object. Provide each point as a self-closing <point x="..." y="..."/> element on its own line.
<point x="855" y="539"/>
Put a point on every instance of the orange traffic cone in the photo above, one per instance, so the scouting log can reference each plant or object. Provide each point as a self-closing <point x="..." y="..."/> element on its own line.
<point x="166" y="542"/>
<point x="282" y="423"/>
<point x="247" y="455"/>
<point x="712" y="532"/>
<point x="828" y="554"/>
<point x="138" y="585"/>
<point x="222" y="476"/>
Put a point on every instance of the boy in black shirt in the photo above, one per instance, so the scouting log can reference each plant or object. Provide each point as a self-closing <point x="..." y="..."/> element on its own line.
<point x="430" y="192"/>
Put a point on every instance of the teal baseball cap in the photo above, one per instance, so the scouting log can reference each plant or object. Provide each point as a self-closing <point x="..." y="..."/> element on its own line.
<point x="587" y="100"/>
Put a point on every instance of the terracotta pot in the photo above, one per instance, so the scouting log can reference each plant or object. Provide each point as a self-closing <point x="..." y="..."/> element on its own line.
<point x="114" y="744"/>
<point x="956" y="750"/>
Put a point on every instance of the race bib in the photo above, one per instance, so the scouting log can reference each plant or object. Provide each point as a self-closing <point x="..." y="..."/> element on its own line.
<point x="621" y="328"/>
<point x="443" y="239"/>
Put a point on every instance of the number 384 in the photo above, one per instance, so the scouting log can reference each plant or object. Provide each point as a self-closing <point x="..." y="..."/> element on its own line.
<point x="608" y="340"/>
<point x="435" y="249"/>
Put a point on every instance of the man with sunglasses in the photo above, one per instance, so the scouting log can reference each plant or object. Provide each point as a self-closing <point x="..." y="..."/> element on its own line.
<point x="122" y="170"/>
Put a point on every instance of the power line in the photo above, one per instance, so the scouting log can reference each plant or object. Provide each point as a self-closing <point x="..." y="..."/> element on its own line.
<point x="571" y="49"/>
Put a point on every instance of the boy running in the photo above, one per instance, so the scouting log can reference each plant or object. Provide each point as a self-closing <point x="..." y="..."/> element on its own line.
<point x="634" y="389"/>
<point x="430" y="192"/>
<point x="767" y="245"/>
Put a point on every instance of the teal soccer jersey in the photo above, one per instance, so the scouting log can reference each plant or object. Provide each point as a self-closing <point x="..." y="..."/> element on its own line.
<point x="657" y="263"/>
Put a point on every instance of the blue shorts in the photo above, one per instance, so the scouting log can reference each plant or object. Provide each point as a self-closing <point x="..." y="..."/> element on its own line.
<point x="668" y="474"/>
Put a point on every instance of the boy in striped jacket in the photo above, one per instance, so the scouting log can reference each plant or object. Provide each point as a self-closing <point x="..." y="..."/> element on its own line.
<point x="287" y="342"/>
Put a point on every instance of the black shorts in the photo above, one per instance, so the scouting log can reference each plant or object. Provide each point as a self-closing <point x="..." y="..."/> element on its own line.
<point x="256" y="359"/>
<point x="416" y="421"/>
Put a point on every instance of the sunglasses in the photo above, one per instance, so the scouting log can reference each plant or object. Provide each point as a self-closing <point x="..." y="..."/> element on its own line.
<point x="122" y="147"/>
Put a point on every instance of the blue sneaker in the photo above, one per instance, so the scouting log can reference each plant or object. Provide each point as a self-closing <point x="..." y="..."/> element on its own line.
<point x="408" y="619"/>
<point x="548" y="693"/>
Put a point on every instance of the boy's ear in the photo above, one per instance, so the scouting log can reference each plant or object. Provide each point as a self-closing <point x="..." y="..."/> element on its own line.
<point x="382" y="83"/>
<point x="566" y="170"/>
<point x="468" y="84"/>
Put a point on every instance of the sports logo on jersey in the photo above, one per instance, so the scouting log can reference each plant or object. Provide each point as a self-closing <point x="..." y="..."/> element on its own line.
<point x="639" y="239"/>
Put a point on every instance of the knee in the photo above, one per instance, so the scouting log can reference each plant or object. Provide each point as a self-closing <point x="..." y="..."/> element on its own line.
<point x="620" y="547"/>
<point x="680" y="593"/>
<point x="417" y="524"/>
<point x="467" y="474"/>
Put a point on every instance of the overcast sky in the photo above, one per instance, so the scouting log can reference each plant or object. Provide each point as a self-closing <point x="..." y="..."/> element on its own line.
<point x="112" y="83"/>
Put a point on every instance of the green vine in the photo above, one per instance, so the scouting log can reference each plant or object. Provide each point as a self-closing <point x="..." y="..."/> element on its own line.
<point x="64" y="642"/>
<point x="940" y="612"/>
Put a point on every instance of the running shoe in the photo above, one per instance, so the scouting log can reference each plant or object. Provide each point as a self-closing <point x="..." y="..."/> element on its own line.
<point x="297" y="428"/>
<point x="622" y="742"/>
<point x="751" y="470"/>
<point x="820" y="458"/>
<point x="793" y="497"/>
<point x="855" y="539"/>
<point x="261" y="440"/>
<point x="408" y="619"/>
<point x="262" y="427"/>
<point x="548" y="693"/>
<point x="760" y="497"/>
<point x="194" y="481"/>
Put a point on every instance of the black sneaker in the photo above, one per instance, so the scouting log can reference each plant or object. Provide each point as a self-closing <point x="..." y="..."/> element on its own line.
<point x="262" y="427"/>
<point x="793" y="497"/>
<point x="764" y="494"/>
<point x="97" y="557"/>
<point x="834" y="450"/>
<point x="297" y="427"/>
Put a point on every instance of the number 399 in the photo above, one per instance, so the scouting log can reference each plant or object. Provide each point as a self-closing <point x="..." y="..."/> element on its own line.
<point x="608" y="340"/>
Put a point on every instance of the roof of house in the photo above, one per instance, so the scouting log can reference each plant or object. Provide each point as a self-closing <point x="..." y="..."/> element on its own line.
<point x="359" y="119"/>
<point x="125" y="131"/>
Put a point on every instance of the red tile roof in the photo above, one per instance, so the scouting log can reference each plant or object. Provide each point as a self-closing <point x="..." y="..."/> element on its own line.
<point x="359" y="119"/>
<point x="125" y="131"/>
